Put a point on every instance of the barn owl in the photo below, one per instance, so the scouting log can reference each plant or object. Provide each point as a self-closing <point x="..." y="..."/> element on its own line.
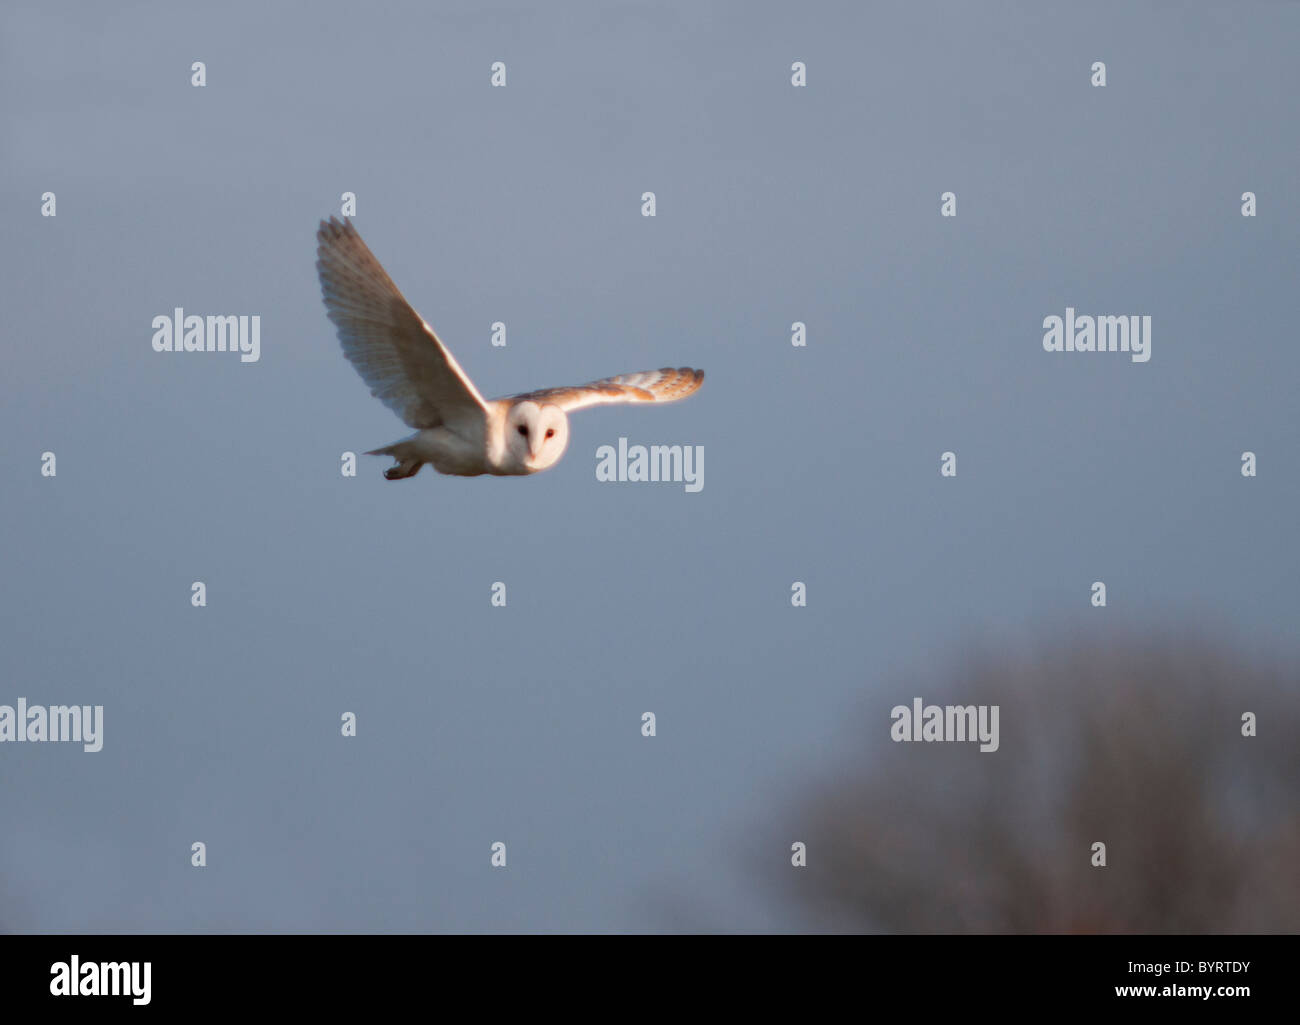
<point x="410" y="370"/>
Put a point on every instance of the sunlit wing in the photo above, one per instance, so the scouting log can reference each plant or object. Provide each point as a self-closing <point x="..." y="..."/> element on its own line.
<point x="666" y="385"/>
<point x="396" y="353"/>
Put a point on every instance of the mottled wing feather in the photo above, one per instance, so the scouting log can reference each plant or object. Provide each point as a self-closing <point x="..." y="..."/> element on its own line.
<point x="396" y="353"/>
<point x="666" y="385"/>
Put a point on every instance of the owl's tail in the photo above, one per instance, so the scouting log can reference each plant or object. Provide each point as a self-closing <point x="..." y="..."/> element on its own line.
<point x="408" y="463"/>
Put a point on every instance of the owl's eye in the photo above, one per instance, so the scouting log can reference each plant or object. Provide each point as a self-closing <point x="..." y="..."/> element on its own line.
<point x="523" y="429"/>
<point x="550" y="432"/>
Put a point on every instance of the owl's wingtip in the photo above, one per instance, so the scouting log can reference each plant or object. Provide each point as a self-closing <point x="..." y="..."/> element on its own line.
<point x="334" y="227"/>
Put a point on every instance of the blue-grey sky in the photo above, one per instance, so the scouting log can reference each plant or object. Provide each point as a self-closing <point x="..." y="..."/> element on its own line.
<point x="774" y="204"/>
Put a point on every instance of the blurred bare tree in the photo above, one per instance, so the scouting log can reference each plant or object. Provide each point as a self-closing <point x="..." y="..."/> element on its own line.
<point x="1137" y="745"/>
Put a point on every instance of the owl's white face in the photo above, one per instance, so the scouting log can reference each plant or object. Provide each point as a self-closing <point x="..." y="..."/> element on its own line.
<point x="536" y="435"/>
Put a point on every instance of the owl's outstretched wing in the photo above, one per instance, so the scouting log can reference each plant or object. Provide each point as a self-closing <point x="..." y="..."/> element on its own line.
<point x="392" y="348"/>
<point x="666" y="385"/>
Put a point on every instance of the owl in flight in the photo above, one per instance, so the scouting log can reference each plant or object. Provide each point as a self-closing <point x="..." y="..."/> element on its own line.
<point x="414" y="374"/>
